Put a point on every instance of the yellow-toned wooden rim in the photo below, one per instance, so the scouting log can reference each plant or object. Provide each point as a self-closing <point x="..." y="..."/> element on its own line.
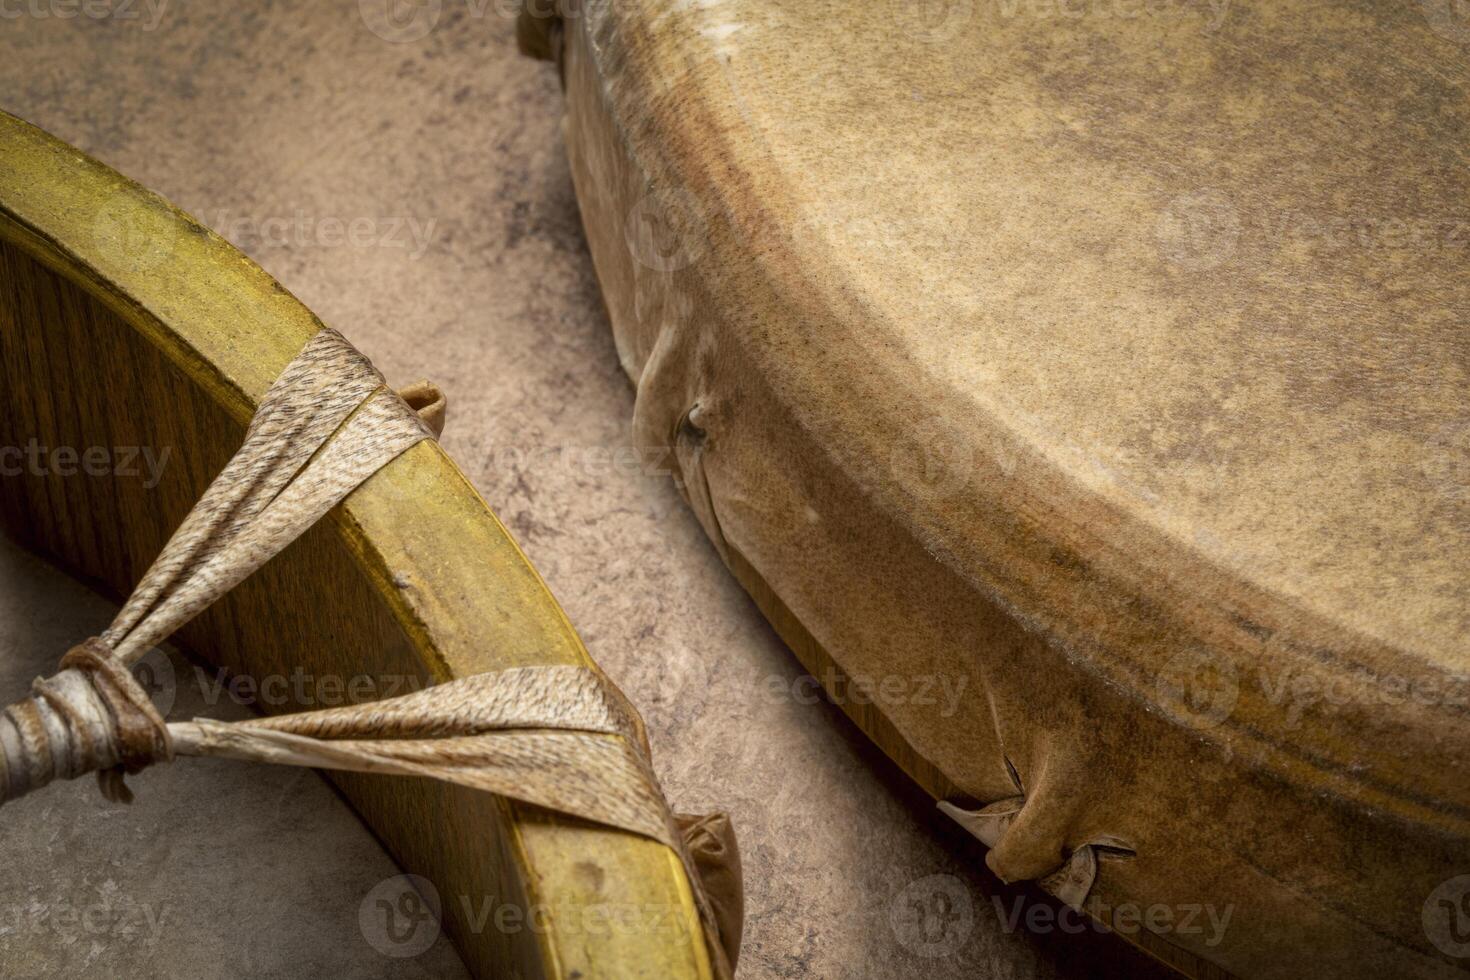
<point x="477" y="604"/>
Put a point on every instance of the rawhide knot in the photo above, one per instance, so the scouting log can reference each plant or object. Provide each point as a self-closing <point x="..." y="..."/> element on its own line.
<point x="142" y="733"/>
<point x="92" y="716"/>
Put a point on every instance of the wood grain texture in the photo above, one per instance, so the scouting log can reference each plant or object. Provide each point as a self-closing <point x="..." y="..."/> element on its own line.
<point x="125" y="324"/>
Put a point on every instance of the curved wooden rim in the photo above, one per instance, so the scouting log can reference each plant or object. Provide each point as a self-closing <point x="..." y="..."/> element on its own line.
<point x="1064" y="569"/>
<point x="476" y="603"/>
<point x="1118" y="552"/>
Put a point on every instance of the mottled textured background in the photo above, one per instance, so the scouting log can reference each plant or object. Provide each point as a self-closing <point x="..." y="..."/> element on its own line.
<point x="459" y="257"/>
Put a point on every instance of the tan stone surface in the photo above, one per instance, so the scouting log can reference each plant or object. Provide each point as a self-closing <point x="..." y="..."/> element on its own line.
<point x="469" y="267"/>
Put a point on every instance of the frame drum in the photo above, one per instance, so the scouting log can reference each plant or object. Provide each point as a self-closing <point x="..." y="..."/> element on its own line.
<point x="1109" y="361"/>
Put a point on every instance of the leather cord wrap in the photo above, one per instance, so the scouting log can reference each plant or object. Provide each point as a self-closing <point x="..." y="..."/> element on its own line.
<point x="559" y="737"/>
<point x="91" y="717"/>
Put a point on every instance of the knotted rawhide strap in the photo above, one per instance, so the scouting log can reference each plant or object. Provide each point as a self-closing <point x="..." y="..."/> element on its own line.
<point x="1071" y="883"/>
<point x="555" y="736"/>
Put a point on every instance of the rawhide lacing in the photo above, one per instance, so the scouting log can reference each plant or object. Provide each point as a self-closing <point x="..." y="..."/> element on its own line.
<point x="560" y="737"/>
